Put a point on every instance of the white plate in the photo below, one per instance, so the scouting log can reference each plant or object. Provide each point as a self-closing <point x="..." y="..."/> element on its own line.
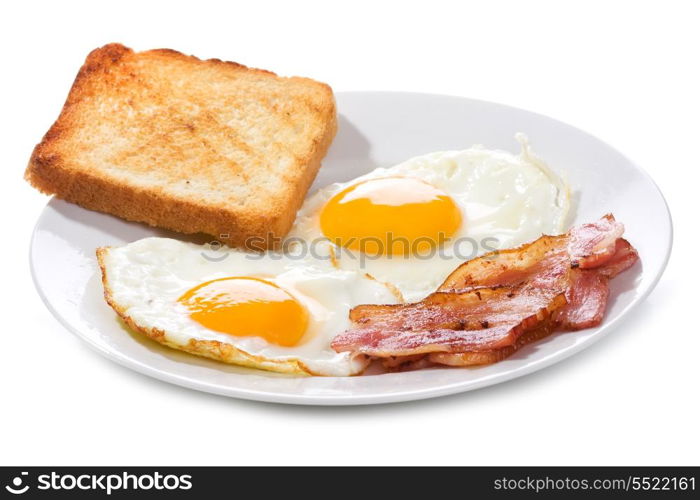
<point x="376" y="129"/>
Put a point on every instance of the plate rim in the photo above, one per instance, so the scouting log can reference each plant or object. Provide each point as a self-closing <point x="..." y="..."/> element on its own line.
<point x="393" y="397"/>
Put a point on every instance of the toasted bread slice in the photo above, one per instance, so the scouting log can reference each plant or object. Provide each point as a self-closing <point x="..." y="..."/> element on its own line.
<point x="186" y="144"/>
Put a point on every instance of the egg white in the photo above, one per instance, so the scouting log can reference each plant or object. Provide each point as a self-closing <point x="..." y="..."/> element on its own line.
<point x="143" y="281"/>
<point x="505" y="200"/>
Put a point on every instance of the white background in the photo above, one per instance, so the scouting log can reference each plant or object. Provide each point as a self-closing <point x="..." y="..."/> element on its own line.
<point x="624" y="71"/>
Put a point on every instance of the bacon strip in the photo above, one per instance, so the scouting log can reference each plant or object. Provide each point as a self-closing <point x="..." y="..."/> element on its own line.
<point x="625" y="256"/>
<point x="482" y="319"/>
<point x="578" y="263"/>
<point x="491" y="306"/>
<point x="543" y="263"/>
<point x="593" y="244"/>
<point x="487" y="357"/>
<point x="586" y="298"/>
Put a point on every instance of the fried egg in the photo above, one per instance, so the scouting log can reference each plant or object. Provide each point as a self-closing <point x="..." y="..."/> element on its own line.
<point x="411" y="224"/>
<point x="268" y="311"/>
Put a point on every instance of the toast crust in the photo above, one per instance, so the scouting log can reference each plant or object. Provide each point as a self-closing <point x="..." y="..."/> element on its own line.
<point x="52" y="168"/>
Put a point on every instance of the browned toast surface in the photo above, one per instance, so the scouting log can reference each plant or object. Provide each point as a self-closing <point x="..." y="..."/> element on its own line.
<point x="186" y="144"/>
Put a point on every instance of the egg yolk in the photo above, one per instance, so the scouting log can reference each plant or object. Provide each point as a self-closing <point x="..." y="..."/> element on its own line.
<point x="390" y="216"/>
<point x="245" y="307"/>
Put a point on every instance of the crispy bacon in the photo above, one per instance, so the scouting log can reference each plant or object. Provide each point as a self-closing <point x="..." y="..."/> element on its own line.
<point x="625" y="256"/>
<point x="481" y="319"/>
<point x="586" y="298"/>
<point x="491" y="306"/>
<point x="544" y="263"/>
<point x="578" y="263"/>
<point x="487" y="357"/>
<point x="587" y="294"/>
